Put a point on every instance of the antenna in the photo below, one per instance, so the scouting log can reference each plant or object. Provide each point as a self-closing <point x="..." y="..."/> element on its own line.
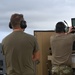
<point x="66" y="23"/>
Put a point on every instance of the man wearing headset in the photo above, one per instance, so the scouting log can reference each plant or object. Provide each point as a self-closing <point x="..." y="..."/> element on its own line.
<point x="61" y="46"/>
<point x="20" y="49"/>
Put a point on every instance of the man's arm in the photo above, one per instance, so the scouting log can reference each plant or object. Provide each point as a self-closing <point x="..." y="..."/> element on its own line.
<point x="71" y="30"/>
<point x="36" y="56"/>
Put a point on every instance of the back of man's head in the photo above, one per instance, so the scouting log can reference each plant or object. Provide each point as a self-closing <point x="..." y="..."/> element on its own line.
<point x="16" y="19"/>
<point x="60" y="27"/>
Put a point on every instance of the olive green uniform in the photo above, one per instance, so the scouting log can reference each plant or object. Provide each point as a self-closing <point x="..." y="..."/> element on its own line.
<point x="61" y="46"/>
<point x="18" y="48"/>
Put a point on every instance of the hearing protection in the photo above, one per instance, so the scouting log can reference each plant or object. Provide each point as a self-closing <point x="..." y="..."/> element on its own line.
<point x="23" y="24"/>
<point x="67" y="27"/>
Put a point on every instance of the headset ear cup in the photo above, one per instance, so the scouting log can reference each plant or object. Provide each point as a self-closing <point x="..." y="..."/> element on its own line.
<point x="23" y="24"/>
<point x="67" y="29"/>
<point x="10" y="25"/>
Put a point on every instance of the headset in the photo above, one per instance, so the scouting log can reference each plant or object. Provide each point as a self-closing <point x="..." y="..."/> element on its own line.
<point x="23" y="24"/>
<point x="62" y="27"/>
<point x="67" y="27"/>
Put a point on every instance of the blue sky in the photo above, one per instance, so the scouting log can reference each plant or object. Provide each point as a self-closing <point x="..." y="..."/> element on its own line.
<point x="39" y="14"/>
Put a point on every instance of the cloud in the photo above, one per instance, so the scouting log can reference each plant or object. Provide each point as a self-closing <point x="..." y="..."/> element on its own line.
<point x="39" y="14"/>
